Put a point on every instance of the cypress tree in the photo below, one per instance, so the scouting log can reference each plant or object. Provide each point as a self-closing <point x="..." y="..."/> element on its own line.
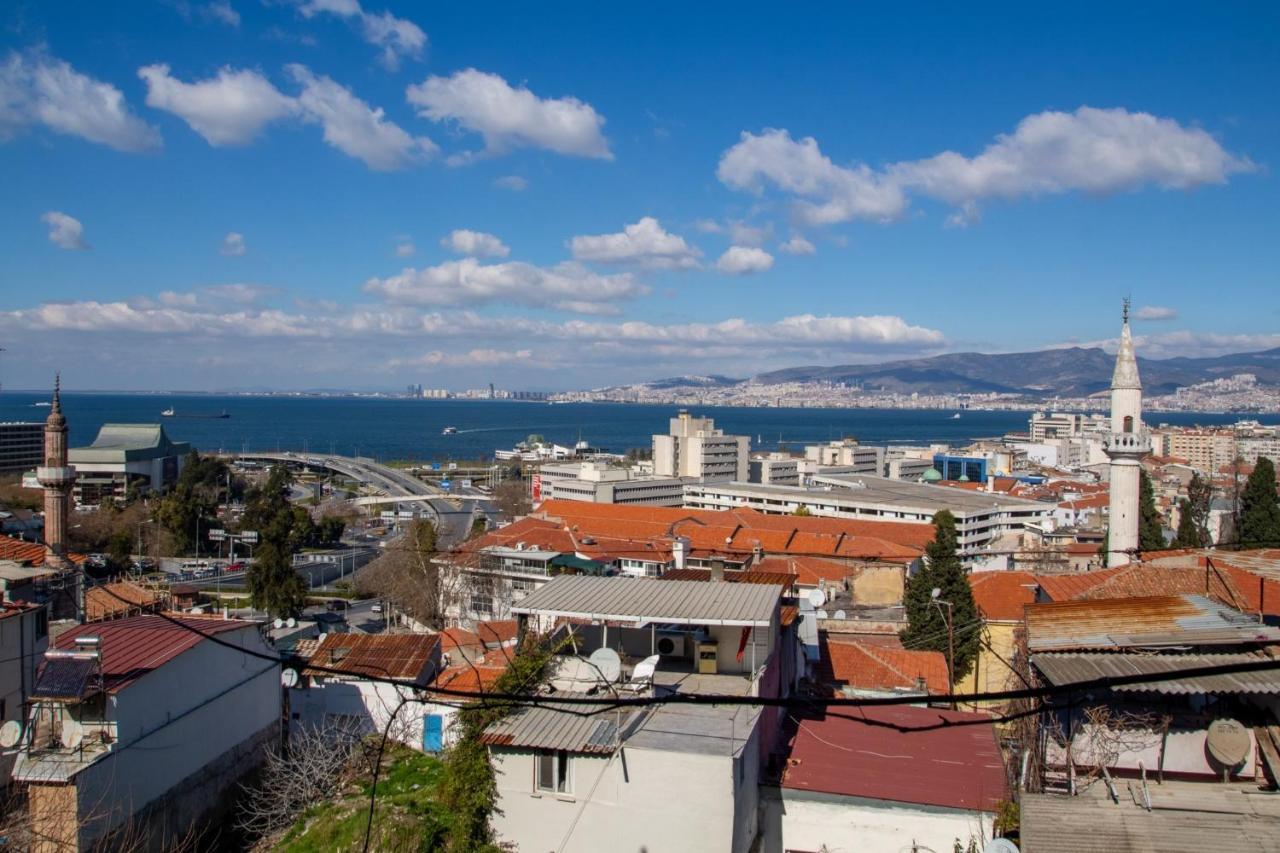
<point x="1259" y="508"/>
<point x="1150" y="523"/>
<point x="274" y="584"/>
<point x="927" y="621"/>
<point x="1187" y="534"/>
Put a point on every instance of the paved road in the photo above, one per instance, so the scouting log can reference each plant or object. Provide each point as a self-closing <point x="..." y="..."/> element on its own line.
<point x="452" y="515"/>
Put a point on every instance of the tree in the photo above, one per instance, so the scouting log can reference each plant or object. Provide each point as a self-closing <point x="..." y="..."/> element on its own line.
<point x="190" y="509"/>
<point x="409" y="575"/>
<point x="1193" y="515"/>
<point x="512" y="498"/>
<point x="1150" y="522"/>
<point x="1259" y="508"/>
<point x="802" y="511"/>
<point x="927" y="618"/>
<point x="274" y="584"/>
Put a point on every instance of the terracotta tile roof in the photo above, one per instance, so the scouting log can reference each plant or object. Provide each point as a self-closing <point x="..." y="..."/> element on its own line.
<point x="497" y="632"/>
<point x="134" y="646"/>
<point x="403" y="657"/>
<point x="104" y="601"/>
<point x="866" y="666"/>
<point x="478" y="675"/>
<point x="899" y="754"/>
<point x="1001" y="596"/>
<point x="453" y="638"/>
<point x="1138" y="580"/>
<point x="1097" y="501"/>
<point x="1069" y="586"/>
<point x="809" y="571"/>
<point x="749" y="576"/>
<point x="28" y="553"/>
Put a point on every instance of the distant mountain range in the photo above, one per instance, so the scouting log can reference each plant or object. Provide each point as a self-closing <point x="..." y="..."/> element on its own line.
<point x="1069" y="372"/>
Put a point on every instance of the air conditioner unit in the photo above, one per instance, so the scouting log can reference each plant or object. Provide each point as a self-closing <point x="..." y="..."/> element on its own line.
<point x="671" y="644"/>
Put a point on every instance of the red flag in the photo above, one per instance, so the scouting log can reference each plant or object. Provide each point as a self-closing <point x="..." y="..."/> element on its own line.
<point x="742" y="644"/>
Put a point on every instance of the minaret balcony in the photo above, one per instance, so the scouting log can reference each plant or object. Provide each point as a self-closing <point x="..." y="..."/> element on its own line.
<point x="1128" y="444"/>
<point x="53" y="477"/>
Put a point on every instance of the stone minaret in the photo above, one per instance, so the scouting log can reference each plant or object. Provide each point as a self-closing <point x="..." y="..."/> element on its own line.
<point x="56" y="478"/>
<point x="1127" y="444"/>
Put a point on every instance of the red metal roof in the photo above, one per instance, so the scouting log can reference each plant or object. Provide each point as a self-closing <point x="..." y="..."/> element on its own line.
<point x="893" y="753"/>
<point x="135" y="646"/>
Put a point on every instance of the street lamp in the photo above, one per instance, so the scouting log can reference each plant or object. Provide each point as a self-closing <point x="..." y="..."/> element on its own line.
<point x="951" y="642"/>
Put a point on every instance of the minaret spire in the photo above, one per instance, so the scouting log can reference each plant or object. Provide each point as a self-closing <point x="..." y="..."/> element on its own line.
<point x="1127" y="444"/>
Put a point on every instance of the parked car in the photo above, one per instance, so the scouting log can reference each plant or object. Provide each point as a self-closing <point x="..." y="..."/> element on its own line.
<point x="336" y="604"/>
<point x="235" y="567"/>
<point x="376" y="608"/>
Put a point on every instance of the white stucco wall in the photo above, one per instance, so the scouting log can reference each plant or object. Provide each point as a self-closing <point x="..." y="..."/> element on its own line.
<point x="813" y="822"/>
<point x="634" y="800"/>
<point x="180" y="717"/>
<point x="368" y="704"/>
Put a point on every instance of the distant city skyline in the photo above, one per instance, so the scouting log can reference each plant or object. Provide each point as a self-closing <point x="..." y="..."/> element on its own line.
<point x="314" y="193"/>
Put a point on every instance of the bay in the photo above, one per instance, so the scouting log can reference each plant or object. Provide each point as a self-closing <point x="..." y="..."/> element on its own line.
<point x="395" y="428"/>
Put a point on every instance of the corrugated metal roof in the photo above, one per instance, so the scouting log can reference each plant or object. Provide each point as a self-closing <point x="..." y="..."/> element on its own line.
<point x="654" y="600"/>
<point x="135" y="646"/>
<point x="1061" y="668"/>
<point x="404" y="657"/>
<point x="1129" y="622"/>
<point x="573" y="729"/>
<point x="1186" y="817"/>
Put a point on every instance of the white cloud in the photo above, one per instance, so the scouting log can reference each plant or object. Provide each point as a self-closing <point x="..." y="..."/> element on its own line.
<point x="355" y="128"/>
<point x="405" y="248"/>
<point x="65" y="231"/>
<point x="1192" y="344"/>
<point x="467" y="281"/>
<point x="38" y="89"/>
<point x="744" y="260"/>
<point x="1090" y="150"/>
<point x="475" y="358"/>
<point x="228" y="109"/>
<point x="644" y="243"/>
<point x="241" y="294"/>
<point x="514" y="183"/>
<point x="476" y="244"/>
<point x="797" y="245"/>
<point x="1156" y="312"/>
<point x="832" y="193"/>
<point x="221" y="10"/>
<point x="233" y="244"/>
<point x="508" y="117"/>
<point x="398" y="37"/>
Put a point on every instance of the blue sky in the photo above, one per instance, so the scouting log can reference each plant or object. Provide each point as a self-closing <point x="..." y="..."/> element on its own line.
<point x="308" y="193"/>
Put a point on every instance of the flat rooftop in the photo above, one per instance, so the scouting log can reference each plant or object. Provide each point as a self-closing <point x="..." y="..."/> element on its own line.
<point x="650" y="600"/>
<point x="884" y="493"/>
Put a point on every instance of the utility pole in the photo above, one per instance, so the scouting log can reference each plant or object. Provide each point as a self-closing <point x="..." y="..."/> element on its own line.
<point x="951" y="641"/>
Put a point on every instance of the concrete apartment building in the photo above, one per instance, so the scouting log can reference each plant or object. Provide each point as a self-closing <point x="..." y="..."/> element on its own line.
<point x="775" y="469"/>
<point x="672" y="777"/>
<point x="24" y="636"/>
<point x="126" y="454"/>
<point x="21" y="446"/>
<point x="694" y="448"/>
<point x="600" y="482"/>
<point x="860" y="458"/>
<point x="981" y="517"/>
<point x="140" y="725"/>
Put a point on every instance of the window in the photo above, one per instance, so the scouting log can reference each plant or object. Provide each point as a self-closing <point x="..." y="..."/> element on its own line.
<point x="552" y="767"/>
<point x="42" y="623"/>
<point x="482" y="604"/>
<point x="1128" y="423"/>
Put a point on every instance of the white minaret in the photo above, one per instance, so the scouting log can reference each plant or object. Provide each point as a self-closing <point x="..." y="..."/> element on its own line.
<point x="1127" y="444"/>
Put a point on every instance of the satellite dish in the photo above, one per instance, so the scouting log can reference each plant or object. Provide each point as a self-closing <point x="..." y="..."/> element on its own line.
<point x="840" y="614"/>
<point x="10" y="734"/>
<point x="1228" y="742"/>
<point x="608" y="663"/>
<point x="291" y="622"/>
<point x="289" y="678"/>
<point x="72" y="734"/>
<point x="817" y="597"/>
<point x="1000" y="845"/>
<point x="278" y="623"/>
<point x="821" y="614"/>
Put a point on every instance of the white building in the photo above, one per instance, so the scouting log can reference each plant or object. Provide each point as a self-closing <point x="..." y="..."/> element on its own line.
<point x="24" y="636"/>
<point x="352" y="702"/>
<point x="661" y="777"/>
<point x="695" y="448"/>
<point x="1127" y="444"/>
<point x="142" y="722"/>
<point x="862" y="458"/>
<point x="141" y="455"/>
<point x="600" y="482"/>
<point x="775" y="469"/>
<point x="981" y="517"/>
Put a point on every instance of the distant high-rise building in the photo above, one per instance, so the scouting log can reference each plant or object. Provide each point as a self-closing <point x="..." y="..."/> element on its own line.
<point x="1127" y="444"/>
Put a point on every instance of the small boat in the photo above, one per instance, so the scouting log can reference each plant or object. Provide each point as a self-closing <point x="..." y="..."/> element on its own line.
<point x="43" y="404"/>
<point x="956" y="416"/>
<point x="172" y="413"/>
<point x="449" y="430"/>
<point x="169" y="413"/>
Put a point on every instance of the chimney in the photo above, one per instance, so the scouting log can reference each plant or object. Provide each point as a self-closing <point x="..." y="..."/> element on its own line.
<point x="717" y="570"/>
<point x="991" y="482"/>
<point x="757" y="554"/>
<point x="922" y="685"/>
<point x="680" y="552"/>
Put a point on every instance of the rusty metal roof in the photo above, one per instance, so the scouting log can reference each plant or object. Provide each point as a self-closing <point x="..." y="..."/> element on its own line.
<point x="1155" y="621"/>
<point x="403" y="657"/>
<point x="1061" y="668"/>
